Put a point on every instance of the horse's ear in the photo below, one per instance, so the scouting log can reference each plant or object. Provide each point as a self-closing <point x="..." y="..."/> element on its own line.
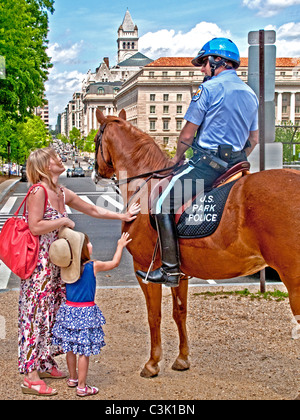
<point x="100" y="116"/>
<point x="122" y="114"/>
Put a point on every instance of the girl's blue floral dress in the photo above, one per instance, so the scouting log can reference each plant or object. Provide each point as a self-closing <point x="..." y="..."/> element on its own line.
<point x="78" y="326"/>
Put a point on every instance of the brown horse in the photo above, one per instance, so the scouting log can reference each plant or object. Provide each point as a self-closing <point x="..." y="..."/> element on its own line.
<point x="260" y="227"/>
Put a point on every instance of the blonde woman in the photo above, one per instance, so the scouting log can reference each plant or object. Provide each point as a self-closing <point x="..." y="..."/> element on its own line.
<point x="42" y="294"/>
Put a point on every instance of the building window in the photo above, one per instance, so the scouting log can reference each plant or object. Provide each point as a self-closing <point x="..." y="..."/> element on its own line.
<point x="191" y="73"/>
<point x="284" y="97"/>
<point x="152" y="97"/>
<point x="244" y="73"/>
<point x="178" y="125"/>
<point x="128" y="45"/>
<point x="297" y="109"/>
<point x="164" y="74"/>
<point x="282" y="73"/>
<point x="124" y="45"/>
<point x="132" y="45"/>
<point x="165" y="125"/>
<point x="179" y="97"/>
<point x="152" y="109"/>
<point x="166" y="97"/>
<point x="100" y="91"/>
<point x="166" y="141"/>
<point x="152" y="125"/>
<point x="166" y="109"/>
<point x="178" y="73"/>
<point x="151" y="74"/>
<point x="284" y="109"/>
<point x="179" y="109"/>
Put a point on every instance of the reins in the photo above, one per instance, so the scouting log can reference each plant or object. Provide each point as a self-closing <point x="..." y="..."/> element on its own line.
<point x="151" y="174"/>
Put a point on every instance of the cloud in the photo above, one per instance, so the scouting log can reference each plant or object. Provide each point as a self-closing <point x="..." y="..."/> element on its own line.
<point x="164" y="43"/>
<point x="60" y="88"/>
<point x="64" y="54"/>
<point x="287" y="39"/>
<point x="268" y="8"/>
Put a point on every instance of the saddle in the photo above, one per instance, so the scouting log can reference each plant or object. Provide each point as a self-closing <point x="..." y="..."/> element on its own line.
<point x="200" y="216"/>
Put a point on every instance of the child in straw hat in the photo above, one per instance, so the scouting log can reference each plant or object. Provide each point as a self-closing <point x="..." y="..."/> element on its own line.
<point x="78" y="327"/>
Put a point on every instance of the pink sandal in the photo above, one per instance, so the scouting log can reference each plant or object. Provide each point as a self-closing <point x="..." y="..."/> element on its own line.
<point x="53" y="373"/>
<point x="27" y="388"/>
<point x="87" y="391"/>
<point x="72" y="383"/>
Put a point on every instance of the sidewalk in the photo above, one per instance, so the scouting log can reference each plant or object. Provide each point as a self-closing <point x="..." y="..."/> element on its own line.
<point x="6" y="186"/>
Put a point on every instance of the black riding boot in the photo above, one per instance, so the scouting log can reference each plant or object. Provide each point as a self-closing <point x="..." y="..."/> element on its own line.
<point x="168" y="273"/>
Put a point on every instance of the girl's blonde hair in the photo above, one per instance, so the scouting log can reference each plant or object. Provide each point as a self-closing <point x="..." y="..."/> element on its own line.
<point x="37" y="166"/>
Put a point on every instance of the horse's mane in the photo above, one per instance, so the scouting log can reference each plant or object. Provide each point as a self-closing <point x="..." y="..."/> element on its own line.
<point x="144" y="151"/>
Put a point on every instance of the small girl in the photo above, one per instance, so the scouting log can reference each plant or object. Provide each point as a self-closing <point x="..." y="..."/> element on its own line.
<point x="78" y="326"/>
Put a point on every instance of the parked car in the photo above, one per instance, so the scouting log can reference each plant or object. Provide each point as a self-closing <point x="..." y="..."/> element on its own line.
<point x="70" y="172"/>
<point x="78" y="172"/>
<point x="23" y="173"/>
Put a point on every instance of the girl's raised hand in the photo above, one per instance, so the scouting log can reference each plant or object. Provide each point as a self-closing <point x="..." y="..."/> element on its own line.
<point x="124" y="240"/>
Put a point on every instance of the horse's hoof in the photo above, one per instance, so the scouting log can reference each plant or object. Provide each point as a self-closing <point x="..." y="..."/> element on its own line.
<point x="181" y="364"/>
<point x="149" y="373"/>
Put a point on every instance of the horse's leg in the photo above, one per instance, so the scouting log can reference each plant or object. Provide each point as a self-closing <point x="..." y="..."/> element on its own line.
<point x="153" y="296"/>
<point x="179" y="314"/>
<point x="293" y="286"/>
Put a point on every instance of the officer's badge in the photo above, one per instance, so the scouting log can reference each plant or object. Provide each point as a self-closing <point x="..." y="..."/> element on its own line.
<point x="198" y="94"/>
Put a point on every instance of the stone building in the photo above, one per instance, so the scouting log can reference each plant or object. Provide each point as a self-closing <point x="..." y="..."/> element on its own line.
<point x="99" y="89"/>
<point x="43" y="112"/>
<point x="157" y="97"/>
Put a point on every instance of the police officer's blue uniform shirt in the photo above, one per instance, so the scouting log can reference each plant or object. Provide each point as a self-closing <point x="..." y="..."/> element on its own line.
<point x="226" y="109"/>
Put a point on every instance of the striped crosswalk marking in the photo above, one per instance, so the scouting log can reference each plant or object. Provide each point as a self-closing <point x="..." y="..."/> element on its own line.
<point x="112" y="201"/>
<point x="8" y="205"/>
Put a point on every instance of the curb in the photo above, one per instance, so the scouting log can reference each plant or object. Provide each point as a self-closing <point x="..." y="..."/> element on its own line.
<point x="6" y="191"/>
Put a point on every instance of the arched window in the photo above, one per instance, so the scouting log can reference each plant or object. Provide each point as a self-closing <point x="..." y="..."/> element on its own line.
<point x="124" y="45"/>
<point x="128" y="45"/>
<point x="132" y="45"/>
<point x="100" y="91"/>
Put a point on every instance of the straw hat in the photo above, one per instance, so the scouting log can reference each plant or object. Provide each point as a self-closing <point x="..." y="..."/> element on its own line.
<point x="65" y="252"/>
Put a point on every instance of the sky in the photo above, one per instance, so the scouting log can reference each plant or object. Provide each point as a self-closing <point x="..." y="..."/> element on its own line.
<point x="83" y="32"/>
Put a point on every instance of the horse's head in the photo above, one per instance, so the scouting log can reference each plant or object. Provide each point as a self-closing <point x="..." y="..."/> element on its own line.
<point x="104" y="165"/>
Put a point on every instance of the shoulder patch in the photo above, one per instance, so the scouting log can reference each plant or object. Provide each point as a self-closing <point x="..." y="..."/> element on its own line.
<point x="198" y="94"/>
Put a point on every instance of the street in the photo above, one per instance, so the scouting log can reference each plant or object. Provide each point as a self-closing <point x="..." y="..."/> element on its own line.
<point x="103" y="234"/>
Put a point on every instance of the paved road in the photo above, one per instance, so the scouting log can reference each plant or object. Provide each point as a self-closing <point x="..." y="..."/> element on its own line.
<point x="103" y="235"/>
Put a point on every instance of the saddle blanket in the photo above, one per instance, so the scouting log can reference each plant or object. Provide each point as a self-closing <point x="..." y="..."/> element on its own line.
<point x="203" y="216"/>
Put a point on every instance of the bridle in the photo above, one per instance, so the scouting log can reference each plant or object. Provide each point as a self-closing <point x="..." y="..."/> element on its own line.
<point x="151" y="174"/>
<point x="99" y="144"/>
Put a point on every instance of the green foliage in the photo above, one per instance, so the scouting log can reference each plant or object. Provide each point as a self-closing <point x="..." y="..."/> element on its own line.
<point x="289" y="135"/>
<point x="276" y="295"/>
<point x="23" y="44"/>
<point x="89" y="145"/>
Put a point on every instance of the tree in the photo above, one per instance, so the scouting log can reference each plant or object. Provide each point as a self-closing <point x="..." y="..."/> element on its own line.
<point x="289" y="135"/>
<point x="23" y="43"/>
<point x="89" y="144"/>
<point x="75" y="136"/>
<point x="30" y="135"/>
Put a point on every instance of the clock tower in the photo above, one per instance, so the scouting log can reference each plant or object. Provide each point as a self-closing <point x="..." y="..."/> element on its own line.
<point x="128" y="38"/>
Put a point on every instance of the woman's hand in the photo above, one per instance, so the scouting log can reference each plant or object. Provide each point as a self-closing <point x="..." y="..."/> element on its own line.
<point x="131" y="214"/>
<point x="67" y="222"/>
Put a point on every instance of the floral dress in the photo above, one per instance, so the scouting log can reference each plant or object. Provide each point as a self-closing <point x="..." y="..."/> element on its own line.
<point x="40" y="298"/>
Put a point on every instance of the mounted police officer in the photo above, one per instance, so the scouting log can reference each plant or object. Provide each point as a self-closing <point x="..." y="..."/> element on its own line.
<point x="222" y="128"/>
